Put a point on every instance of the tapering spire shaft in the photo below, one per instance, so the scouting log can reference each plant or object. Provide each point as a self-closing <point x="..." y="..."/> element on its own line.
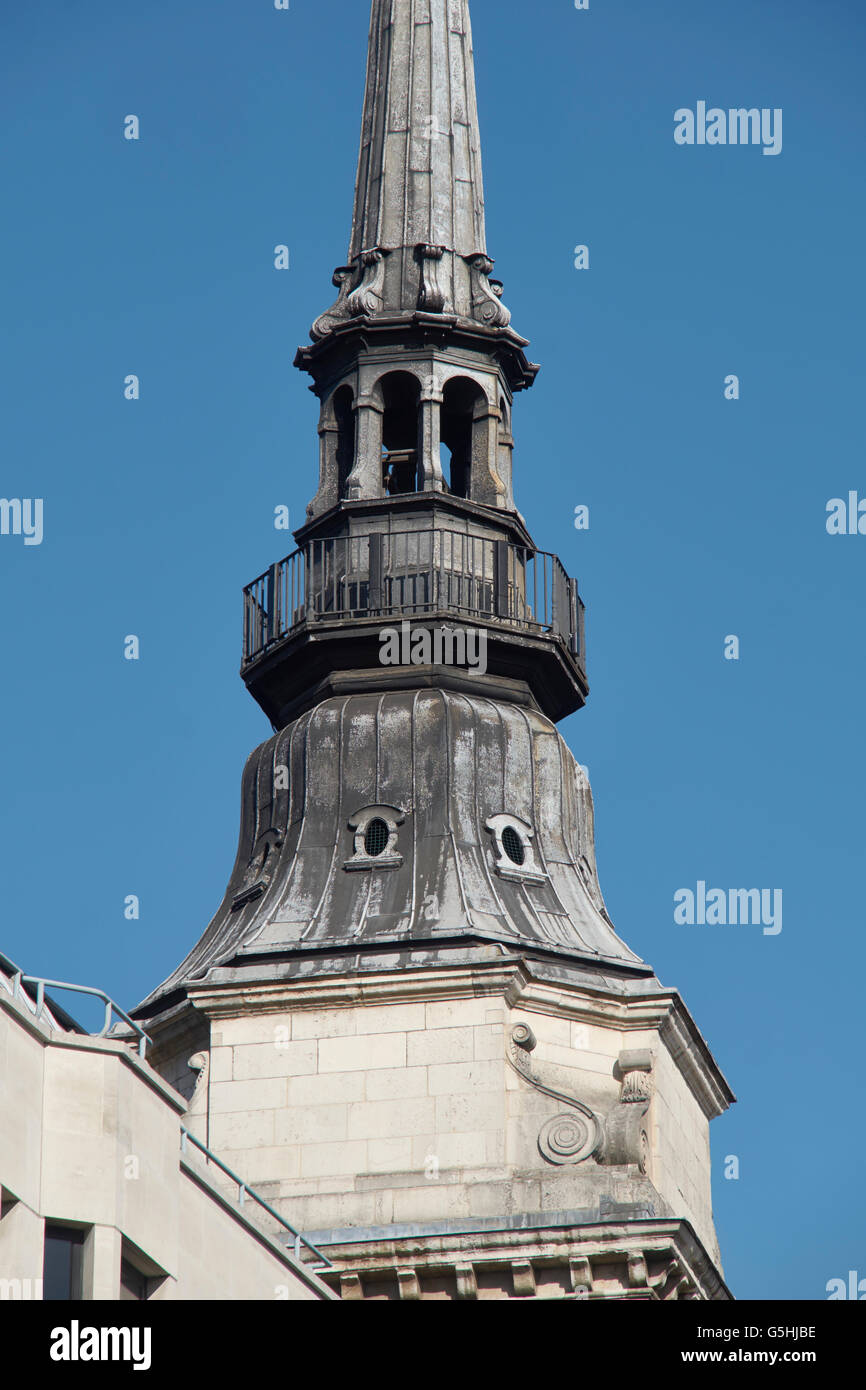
<point x="419" y="172"/>
<point x="418" y="239"/>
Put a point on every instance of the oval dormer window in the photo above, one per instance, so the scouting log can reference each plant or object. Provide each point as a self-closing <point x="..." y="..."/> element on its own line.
<point x="376" y="837"/>
<point x="514" y="850"/>
<point x="375" y="840"/>
<point x="513" y="845"/>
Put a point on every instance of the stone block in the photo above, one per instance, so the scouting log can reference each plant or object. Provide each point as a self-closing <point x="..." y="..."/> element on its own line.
<point x="366" y="1053"/>
<point x="244" y="1129"/>
<point x="312" y="1124"/>
<point x="339" y="1087"/>
<point x="229" y="1096"/>
<point x="390" y="1018"/>
<point x="469" y="1112"/>
<point x="488" y="1042"/>
<point x="458" y="1013"/>
<point x="329" y="1160"/>
<point x="256" y="1060"/>
<point x="323" y="1023"/>
<point x="454" y="1078"/>
<point x="389" y="1155"/>
<point x="436" y="1045"/>
<point x="255" y="1028"/>
<point x="395" y="1083"/>
<point x="391" y="1119"/>
<point x="220" y="1064"/>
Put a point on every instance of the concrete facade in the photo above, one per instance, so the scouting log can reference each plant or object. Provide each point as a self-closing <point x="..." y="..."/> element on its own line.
<point x="90" y="1140"/>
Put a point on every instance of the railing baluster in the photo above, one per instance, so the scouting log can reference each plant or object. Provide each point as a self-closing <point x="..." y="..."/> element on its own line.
<point x="406" y="572"/>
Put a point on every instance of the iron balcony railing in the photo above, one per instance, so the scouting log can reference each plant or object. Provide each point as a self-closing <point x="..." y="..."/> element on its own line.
<point x="407" y="573"/>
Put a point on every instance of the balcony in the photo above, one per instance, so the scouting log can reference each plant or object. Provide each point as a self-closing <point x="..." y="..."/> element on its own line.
<point x="336" y="590"/>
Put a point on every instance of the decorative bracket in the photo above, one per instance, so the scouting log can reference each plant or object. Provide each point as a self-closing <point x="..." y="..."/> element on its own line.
<point x="486" y="293"/>
<point x="431" y="296"/>
<point x="568" y="1138"/>
<point x="338" y="312"/>
<point x="366" y="298"/>
<point x="617" y="1138"/>
<point x="634" y="1070"/>
<point x="257" y="876"/>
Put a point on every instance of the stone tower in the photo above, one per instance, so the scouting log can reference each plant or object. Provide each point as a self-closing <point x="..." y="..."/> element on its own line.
<point x="412" y="1024"/>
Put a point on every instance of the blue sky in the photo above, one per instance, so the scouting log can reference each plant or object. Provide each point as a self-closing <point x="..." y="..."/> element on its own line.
<point x="707" y="516"/>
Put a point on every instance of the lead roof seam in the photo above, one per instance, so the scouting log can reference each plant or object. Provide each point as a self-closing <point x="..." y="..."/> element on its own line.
<point x="533" y="910"/>
<point x="210" y="947"/>
<point x="377" y="801"/>
<point x="483" y="836"/>
<point x="407" y="157"/>
<point x="290" y="876"/>
<point x="460" y="883"/>
<point x="578" y="793"/>
<point x="281" y="883"/>
<point x="414" y="795"/>
<point x="329" y="875"/>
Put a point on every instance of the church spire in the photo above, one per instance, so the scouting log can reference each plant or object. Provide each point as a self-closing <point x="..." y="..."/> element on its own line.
<point x="419" y="170"/>
<point x="418" y="239"/>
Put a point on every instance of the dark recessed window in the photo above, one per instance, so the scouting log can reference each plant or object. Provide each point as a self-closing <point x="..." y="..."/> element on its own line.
<point x="513" y="845"/>
<point x="63" y="1267"/>
<point x="376" y="838"/>
<point x="133" y="1284"/>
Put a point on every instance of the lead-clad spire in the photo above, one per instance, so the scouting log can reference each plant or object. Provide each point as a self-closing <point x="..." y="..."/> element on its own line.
<point x="418" y="239"/>
<point x="419" y="170"/>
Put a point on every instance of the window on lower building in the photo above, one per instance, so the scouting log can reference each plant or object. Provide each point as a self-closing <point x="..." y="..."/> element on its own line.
<point x="63" y="1264"/>
<point x="133" y="1284"/>
<point x="140" y="1276"/>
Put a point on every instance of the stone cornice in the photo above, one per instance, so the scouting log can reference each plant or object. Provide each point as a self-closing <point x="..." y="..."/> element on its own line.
<point x="661" y="1260"/>
<point x="654" y="1008"/>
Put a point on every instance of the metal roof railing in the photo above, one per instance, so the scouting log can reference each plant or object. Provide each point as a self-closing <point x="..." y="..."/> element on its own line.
<point x="410" y="573"/>
<point x="19" y="980"/>
<point x="244" y="1191"/>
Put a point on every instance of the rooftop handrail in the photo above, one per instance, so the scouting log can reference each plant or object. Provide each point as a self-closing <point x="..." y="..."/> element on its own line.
<point x="19" y="979"/>
<point x="244" y="1191"/>
<point x="393" y="573"/>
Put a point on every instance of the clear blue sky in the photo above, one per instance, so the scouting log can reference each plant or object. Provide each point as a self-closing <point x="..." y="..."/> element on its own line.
<point x="707" y="516"/>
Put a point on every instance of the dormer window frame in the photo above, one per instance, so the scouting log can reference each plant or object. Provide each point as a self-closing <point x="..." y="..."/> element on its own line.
<point x="527" y="872"/>
<point x="390" y="858"/>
